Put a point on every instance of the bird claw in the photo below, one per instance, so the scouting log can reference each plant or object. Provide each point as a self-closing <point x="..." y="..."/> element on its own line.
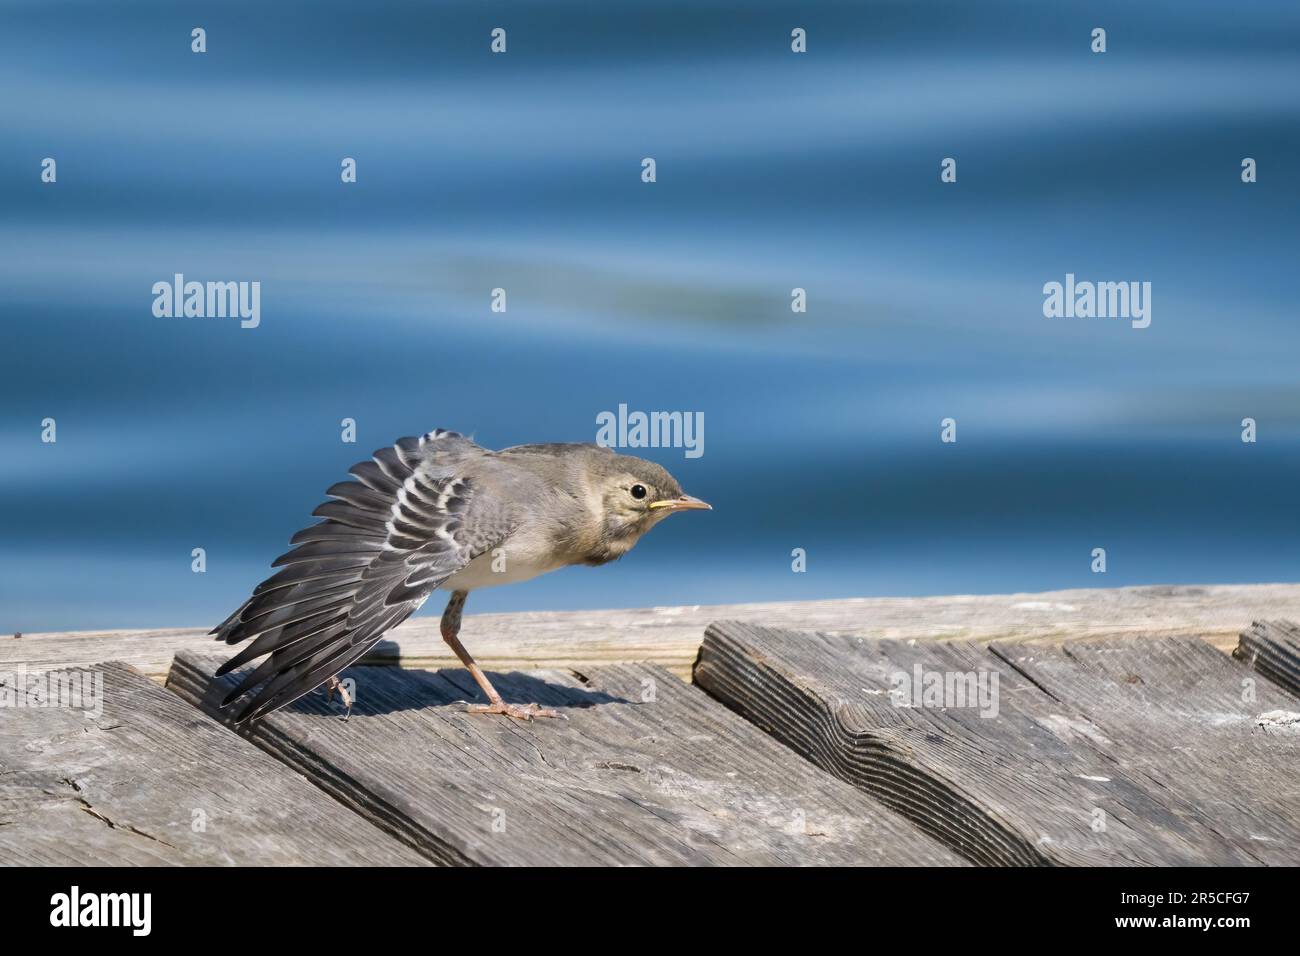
<point x="517" y="711"/>
<point x="336" y="684"/>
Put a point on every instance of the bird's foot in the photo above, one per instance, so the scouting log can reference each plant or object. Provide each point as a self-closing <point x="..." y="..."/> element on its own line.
<point x="517" y="711"/>
<point x="336" y="684"/>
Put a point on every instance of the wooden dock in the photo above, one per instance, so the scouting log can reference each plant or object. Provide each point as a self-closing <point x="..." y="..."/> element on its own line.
<point x="1152" y="726"/>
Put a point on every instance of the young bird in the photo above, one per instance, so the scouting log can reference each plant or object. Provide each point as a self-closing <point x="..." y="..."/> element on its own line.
<point x="435" y="512"/>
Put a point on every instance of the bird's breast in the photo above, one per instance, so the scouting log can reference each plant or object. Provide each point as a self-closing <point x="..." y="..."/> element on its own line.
<point x="499" y="566"/>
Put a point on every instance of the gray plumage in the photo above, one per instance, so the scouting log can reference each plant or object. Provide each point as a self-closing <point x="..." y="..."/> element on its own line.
<point x="434" y="511"/>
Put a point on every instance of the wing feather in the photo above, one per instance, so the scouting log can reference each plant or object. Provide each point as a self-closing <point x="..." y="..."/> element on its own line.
<point x="389" y="539"/>
<point x="328" y="530"/>
<point x="315" y="550"/>
<point x="282" y="638"/>
<point x="348" y="514"/>
<point x="372" y="476"/>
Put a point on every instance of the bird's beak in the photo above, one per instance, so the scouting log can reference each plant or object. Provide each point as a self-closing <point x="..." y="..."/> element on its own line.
<point x="684" y="503"/>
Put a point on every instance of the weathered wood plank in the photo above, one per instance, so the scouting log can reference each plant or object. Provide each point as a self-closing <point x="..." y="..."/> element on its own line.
<point x="1192" y="721"/>
<point x="1018" y="778"/>
<point x="148" y="780"/>
<point x="1273" y="649"/>
<point x="671" y="636"/>
<point x="646" y="770"/>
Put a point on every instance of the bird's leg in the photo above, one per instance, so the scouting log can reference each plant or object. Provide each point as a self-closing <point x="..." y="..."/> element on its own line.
<point x="336" y="684"/>
<point x="450" y="630"/>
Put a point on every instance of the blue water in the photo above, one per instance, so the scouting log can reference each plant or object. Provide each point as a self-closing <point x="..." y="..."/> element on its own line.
<point x="522" y="171"/>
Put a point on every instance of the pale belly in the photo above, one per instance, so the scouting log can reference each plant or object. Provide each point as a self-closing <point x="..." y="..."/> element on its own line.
<point x="488" y="570"/>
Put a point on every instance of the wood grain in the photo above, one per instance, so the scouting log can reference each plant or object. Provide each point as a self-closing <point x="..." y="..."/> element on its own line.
<point x="1038" y="782"/>
<point x="671" y="636"/>
<point x="151" y="781"/>
<point x="646" y="770"/>
<point x="1191" y="721"/>
<point x="1273" y="649"/>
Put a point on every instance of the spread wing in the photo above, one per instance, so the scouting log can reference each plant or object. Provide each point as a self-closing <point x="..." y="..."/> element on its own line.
<point x="389" y="538"/>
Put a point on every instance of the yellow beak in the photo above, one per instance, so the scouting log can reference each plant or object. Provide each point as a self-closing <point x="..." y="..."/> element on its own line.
<point x="684" y="503"/>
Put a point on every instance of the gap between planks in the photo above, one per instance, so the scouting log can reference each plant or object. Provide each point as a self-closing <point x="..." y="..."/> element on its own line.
<point x="1101" y="751"/>
<point x="150" y="781"/>
<point x="646" y="770"/>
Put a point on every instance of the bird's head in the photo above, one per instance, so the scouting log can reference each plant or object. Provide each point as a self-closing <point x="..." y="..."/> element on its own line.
<point x="634" y="496"/>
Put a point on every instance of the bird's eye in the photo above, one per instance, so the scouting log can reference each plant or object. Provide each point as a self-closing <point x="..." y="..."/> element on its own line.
<point x="638" y="492"/>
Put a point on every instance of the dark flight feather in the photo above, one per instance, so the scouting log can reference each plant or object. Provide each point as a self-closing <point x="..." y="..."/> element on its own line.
<point x="389" y="539"/>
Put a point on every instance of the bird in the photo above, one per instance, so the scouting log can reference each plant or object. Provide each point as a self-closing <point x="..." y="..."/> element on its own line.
<point x="429" y="512"/>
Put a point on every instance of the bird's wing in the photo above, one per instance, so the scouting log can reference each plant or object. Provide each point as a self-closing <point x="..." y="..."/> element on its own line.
<point x="389" y="538"/>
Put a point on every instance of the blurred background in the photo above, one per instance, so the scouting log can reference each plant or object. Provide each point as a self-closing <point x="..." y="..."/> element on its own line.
<point x="775" y="171"/>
